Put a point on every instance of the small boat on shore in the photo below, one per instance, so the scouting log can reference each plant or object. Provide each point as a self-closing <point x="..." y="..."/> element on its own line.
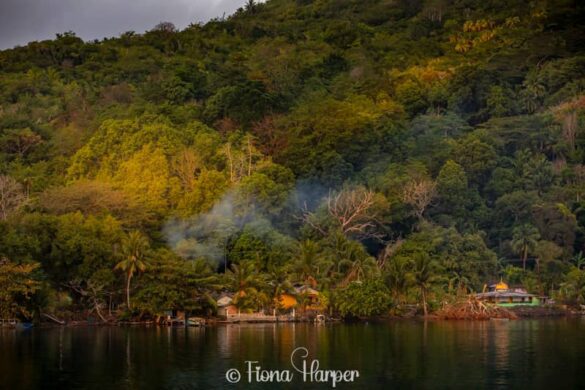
<point x="15" y="324"/>
<point x="24" y="325"/>
<point x="196" y="322"/>
<point x="8" y="322"/>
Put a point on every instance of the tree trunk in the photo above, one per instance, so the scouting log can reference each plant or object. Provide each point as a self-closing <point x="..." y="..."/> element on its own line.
<point x="424" y="298"/>
<point x="128" y="291"/>
<point x="249" y="156"/>
<point x="231" y="162"/>
<point x="524" y="256"/>
<point x="96" y="305"/>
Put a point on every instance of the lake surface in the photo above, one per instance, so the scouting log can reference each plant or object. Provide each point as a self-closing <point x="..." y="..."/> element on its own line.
<point x="402" y="354"/>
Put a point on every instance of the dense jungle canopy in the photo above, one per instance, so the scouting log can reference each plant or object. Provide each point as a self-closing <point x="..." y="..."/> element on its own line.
<point x="380" y="151"/>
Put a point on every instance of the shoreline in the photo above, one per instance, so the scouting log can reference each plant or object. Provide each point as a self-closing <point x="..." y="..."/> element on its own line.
<point x="522" y="313"/>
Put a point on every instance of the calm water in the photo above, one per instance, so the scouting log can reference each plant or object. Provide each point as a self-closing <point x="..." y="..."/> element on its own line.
<point x="517" y="354"/>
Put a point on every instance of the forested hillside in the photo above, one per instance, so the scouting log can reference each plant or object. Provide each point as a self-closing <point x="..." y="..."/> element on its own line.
<point x="381" y="151"/>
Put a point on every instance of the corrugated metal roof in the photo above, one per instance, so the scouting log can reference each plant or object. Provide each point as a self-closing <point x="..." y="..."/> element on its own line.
<point x="505" y="294"/>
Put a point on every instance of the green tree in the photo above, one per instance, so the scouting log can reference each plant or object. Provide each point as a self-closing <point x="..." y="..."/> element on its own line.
<point x="538" y="174"/>
<point x="524" y="240"/>
<point x="75" y="247"/>
<point x="545" y="252"/>
<point x="354" y="263"/>
<point x="12" y="196"/>
<point x="477" y="158"/>
<point x="452" y="189"/>
<point x="464" y="259"/>
<point x="572" y="290"/>
<point x="135" y="247"/>
<point x="498" y="104"/>
<point x="579" y="260"/>
<point x="248" y="284"/>
<point x="423" y="275"/>
<point x="19" y="284"/>
<point x="397" y="277"/>
<point x="306" y="263"/>
<point x="176" y="283"/>
<point x="363" y="298"/>
<point x="145" y="177"/>
<point x="279" y="281"/>
<point x="19" y="141"/>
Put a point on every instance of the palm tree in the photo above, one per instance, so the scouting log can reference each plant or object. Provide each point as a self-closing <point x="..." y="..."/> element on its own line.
<point x="579" y="260"/>
<point x="250" y="6"/>
<point x="355" y="263"/>
<point x="306" y="264"/>
<point x="500" y="266"/>
<point x="524" y="240"/>
<point x="247" y="283"/>
<point x="422" y="274"/>
<point x="459" y="282"/>
<point x="397" y="278"/>
<point x="279" y="282"/>
<point x="200" y="280"/>
<point x="134" y="248"/>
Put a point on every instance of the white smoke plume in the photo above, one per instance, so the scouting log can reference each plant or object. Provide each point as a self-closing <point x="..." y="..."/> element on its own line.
<point x="207" y="235"/>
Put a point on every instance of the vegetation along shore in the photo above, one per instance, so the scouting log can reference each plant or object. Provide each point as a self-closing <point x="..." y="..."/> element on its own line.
<point x="299" y="160"/>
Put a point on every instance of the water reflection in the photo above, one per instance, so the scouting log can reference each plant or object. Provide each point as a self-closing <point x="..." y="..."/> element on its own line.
<point x="497" y="354"/>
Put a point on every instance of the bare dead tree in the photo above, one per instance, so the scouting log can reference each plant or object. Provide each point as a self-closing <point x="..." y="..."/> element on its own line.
<point x="389" y="251"/>
<point x="92" y="294"/>
<point x="570" y="126"/>
<point x="434" y="10"/>
<point x="270" y="135"/>
<point x="352" y="210"/>
<point x="249" y="151"/>
<point x="228" y="153"/>
<point x="568" y="115"/>
<point x="186" y="166"/>
<point x="20" y="141"/>
<point x="311" y="219"/>
<point x="12" y="196"/>
<point x="241" y="158"/>
<point x="419" y="194"/>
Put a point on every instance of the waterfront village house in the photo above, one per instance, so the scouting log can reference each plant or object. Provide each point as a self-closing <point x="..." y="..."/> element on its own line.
<point x="288" y="301"/>
<point x="173" y="314"/>
<point x="225" y="307"/>
<point x="503" y="295"/>
<point x="313" y="297"/>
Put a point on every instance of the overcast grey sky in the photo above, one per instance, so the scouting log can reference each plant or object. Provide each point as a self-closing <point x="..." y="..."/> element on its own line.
<point x="22" y="21"/>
